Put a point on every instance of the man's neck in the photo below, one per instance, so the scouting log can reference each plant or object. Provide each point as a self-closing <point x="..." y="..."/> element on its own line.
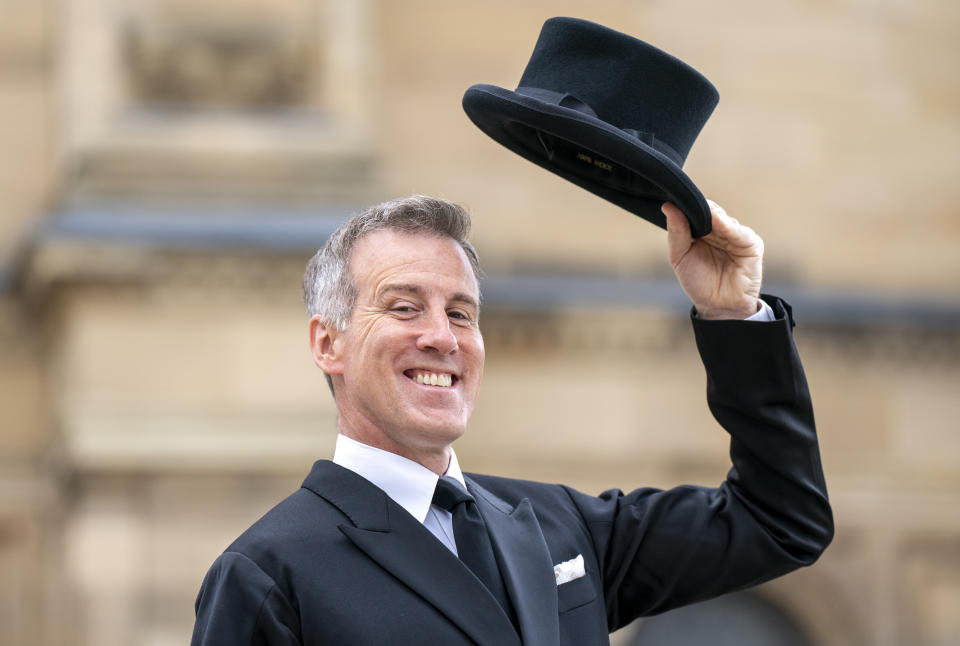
<point x="437" y="460"/>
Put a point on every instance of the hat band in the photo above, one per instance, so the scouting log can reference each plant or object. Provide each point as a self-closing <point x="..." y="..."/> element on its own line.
<point x="567" y="100"/>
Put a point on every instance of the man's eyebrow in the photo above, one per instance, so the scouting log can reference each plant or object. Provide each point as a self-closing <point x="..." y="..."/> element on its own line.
<point x="467" y="299"/>
<point x="398" y="287"/>
<point x="459" y="297"/>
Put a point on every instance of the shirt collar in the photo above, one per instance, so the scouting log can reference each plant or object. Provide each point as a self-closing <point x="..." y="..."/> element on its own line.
<point x="409" y="484"/>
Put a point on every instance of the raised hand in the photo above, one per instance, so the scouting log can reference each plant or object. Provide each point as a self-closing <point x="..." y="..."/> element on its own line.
<point x="720" y="272"/>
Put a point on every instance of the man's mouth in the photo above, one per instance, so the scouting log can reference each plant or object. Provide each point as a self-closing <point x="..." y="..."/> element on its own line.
<point x="427" y="378"/>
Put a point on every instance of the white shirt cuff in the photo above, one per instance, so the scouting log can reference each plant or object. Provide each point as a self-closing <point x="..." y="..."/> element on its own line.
<point x="765" y="313"/>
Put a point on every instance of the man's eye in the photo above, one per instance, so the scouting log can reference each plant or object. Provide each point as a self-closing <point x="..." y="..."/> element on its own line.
<point x="457" y="314"/>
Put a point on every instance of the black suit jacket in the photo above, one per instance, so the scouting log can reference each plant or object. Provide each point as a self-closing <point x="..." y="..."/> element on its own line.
<point x="338" y="562"/>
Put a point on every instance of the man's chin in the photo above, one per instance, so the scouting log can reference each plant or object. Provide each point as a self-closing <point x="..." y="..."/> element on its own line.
<point x="446" y="434"/>
<point x="439" y="432"/>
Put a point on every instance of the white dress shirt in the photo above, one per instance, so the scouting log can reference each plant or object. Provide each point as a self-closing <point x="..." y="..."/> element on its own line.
<point x="409" y="484"/>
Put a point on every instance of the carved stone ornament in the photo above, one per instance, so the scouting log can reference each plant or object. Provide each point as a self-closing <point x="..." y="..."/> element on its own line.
<point x="183" y="64"/>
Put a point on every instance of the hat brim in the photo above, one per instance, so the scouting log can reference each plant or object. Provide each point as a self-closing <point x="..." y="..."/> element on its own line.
<point x="589" y="153"/>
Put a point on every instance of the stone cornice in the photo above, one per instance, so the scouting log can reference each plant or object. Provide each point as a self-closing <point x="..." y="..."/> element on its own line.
<point x="258" y="254"/>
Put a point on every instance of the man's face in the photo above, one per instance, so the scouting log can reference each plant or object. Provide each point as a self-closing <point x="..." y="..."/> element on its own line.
<point x="412" y="355"/>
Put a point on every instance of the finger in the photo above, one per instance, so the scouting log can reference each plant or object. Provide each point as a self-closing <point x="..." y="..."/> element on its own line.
<point x="728" y="229"/>
<point x="678" y="232"/>
<point x="720" y="220"/>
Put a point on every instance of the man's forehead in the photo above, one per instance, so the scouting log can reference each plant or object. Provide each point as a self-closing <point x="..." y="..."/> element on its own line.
<point x="400" y="237"/>
<point x="384" y="256"/>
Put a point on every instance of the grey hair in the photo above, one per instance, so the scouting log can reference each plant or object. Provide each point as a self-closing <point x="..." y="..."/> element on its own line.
<point x="328" y="287"/>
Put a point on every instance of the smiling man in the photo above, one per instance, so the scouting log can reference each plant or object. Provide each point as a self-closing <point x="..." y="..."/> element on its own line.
<point x="406" y="369"/>
<point x="390" y="543"/>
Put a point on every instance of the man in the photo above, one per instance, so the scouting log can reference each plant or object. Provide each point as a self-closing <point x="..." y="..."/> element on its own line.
<point x="360" y="555"/>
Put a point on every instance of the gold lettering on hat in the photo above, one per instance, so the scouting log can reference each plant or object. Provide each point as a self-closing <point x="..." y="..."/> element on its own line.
<point x="602" y="164"/>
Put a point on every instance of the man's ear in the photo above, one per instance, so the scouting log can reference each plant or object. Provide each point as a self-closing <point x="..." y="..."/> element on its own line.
<point x="324" y="346"/>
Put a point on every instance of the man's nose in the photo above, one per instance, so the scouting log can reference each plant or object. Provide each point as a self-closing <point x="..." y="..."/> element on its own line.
<point x="437" y="334"/>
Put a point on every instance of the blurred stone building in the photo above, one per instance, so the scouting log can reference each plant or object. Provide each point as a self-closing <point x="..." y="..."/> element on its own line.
<point x="167" y="167"/>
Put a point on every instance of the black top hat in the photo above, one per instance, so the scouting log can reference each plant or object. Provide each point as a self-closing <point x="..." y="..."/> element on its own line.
<point x="607" y="112"/>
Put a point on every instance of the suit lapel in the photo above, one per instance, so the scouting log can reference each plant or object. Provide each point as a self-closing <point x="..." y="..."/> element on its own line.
<point x="402" y="546"/>
<point x="524" y="563"/>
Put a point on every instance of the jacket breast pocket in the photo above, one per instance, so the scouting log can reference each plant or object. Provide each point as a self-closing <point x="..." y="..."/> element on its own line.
<point x="576" y="593"/>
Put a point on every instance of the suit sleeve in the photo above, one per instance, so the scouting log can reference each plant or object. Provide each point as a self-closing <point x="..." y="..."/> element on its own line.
<point x="661" y="549"/>
<point x="240" y="604"/>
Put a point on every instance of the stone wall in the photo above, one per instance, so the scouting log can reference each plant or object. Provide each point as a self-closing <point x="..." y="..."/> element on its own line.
<point x="166" y="169"/>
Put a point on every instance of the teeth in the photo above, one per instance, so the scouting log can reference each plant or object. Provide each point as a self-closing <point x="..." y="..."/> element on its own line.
<point x="434" y="379"/>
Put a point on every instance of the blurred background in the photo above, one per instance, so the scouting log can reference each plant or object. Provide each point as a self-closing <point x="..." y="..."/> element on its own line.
<point x="167" y="167"/>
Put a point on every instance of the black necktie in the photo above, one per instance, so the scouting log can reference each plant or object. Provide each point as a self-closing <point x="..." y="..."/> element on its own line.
<point x="473" y="542"/>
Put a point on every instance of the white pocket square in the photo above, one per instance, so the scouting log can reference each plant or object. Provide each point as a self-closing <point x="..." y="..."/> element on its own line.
<point x="569" y="570"/>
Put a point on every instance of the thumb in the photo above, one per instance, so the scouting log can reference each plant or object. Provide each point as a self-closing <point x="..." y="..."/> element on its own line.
<point x="678" y="232"/>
